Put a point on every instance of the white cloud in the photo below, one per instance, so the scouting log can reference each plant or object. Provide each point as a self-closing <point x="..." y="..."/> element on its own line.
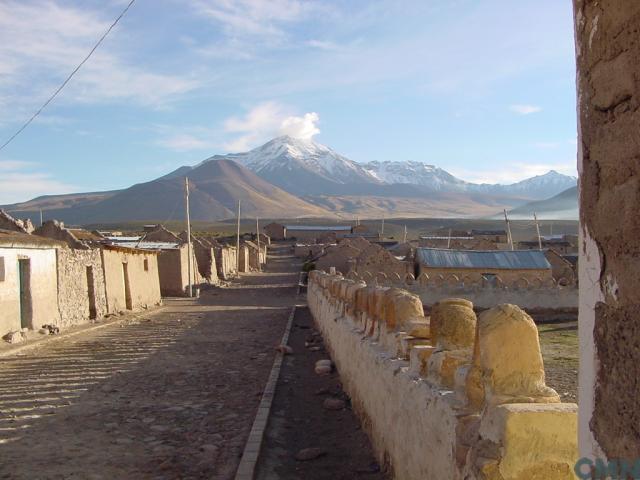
<point x="268" y="120"/>
<point x="525" y="109"/>
<point x="513" y="172"/>
<point x="253" y="17"/>
<point x="18" y="184"/>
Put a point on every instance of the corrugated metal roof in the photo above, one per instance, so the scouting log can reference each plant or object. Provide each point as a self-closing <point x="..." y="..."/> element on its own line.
<point x="498" y="259"/>
<point x="318" y="227"/>
<point x="488" y="232"/>
<point x="427" y="237"/>
<point x="148" y="245"/>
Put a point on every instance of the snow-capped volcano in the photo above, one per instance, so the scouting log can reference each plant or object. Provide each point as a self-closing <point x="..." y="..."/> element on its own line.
<point x="301" y="166"/>
<point x="415" y="173"/>
<point x="305" y="167"/>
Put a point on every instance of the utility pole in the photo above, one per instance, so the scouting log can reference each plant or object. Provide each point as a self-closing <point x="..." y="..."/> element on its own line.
<point x="382" y="232"/>
<point x="535" y="219"/>
<point x="41" y="217"/>
<point x="509" y="237"/>
<point x="405" y="234"/>
<point x="238" y="242"/>
<point x="258" y="238"/>
<point x="186" y="204"/>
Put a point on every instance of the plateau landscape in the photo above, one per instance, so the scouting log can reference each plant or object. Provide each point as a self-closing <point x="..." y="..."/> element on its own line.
<point x="291" y="178"/>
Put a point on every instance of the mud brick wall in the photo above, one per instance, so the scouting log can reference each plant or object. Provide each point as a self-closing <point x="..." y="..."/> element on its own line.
<point x="447" y="396"/>
<point x="608" y="82"/>
<point x="73" y="285"/>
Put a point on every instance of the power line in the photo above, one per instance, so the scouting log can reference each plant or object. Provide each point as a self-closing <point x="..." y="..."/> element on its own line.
<point x="55" y="94"/>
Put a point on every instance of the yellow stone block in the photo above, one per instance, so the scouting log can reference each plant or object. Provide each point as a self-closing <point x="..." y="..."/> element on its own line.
<point x="408" y="342"/>
<point x="419" y="328"/>
<point x="419" y="359"/>
<point x="443" y="365"/>
<point x="539" y="441"/>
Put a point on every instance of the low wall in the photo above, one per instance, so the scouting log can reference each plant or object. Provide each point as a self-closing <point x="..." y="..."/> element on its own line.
<point x="81" y="286"/>
<point x="526" y="294"/>
<point x="551" y="298"/>
<point x="452" y="396"/>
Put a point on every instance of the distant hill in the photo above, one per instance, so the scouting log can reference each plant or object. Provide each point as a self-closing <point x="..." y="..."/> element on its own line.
<point x="215" y="189"/>
<point x="562" y="206"/>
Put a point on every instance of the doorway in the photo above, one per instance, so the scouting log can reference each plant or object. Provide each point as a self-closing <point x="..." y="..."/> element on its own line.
<point x="91" y="292"/>
<point x="127" y="286"/>
<point x="24" y="280"/>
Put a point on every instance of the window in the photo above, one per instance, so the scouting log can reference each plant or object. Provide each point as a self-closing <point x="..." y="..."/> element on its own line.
<point x="1" y="269"/>
<point x="146" y="264"/>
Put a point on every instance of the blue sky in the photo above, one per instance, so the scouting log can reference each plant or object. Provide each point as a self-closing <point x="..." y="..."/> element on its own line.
<point x="481" y="88"/>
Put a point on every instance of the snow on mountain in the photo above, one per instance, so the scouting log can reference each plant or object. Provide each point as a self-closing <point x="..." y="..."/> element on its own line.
<point x="415" y="173"/>
<point x="304" y="167"/>
<point x="301" y="166"/>
<point x="538" y="187"/>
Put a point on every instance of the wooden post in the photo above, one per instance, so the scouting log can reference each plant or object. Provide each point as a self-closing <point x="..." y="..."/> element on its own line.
<point x="509" y="237"/>
<point x="535" y="219"/>
<point x="238" y="242"/>
<point x="258" y="238"/>
<point x="405" y="234"/>
<point x="189" y="259"/>
<point x="449" y="240"/>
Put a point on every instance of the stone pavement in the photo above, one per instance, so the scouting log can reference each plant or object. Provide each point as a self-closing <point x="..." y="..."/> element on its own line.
<point x="170" y="396"/>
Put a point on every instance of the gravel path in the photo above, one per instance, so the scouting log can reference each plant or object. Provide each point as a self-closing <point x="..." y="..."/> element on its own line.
<point x="169" y="396"/>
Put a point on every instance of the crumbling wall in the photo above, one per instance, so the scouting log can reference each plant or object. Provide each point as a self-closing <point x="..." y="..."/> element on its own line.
<point x="205" y="258"/>
<point x="226" y="262"/>
<point x="74" y="268"/>
<point x="243" y="263"/>
<point x="55" y="229"/>
<point x="7" y="222"/>
<point x="453" y="396"/>
<point x="608" y="81"/>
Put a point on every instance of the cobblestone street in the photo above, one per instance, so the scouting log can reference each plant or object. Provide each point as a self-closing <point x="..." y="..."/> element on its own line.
<point x="169" y="395"/>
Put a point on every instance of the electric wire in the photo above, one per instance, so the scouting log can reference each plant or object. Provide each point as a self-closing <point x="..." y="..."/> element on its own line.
<point x="66" y="81"/>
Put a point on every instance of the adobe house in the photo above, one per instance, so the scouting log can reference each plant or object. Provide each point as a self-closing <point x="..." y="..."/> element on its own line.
<point x="264" y="239"/>
<point x="495" y="236"/>
<point x="257" y="256"/>
<point x="557" y="244"/>
<point x="562" y="269"/>
<point x="28" y="281"/>
<point x="275" y="231"/>
<point x="509" y="265"/>
<point x="314" y="232"/>
<point x="132" y="281"/>
<point x="81" y="284"/>
<point x="377" y="259"/>
<point x="205" y="257"/>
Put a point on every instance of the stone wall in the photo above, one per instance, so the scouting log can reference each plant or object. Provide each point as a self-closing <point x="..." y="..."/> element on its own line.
<point x="453" y="396"/>
<point x="74" y="269"/>
<point x="43" y="281"/>
<point x="608" y="81"/>
<point x="309" y="250"/>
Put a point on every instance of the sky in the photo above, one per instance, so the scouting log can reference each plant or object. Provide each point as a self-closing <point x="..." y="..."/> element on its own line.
<point x="482" y="88"/>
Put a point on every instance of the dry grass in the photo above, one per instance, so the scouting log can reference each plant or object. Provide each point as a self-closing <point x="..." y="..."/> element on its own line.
<point x="559" y="344"/>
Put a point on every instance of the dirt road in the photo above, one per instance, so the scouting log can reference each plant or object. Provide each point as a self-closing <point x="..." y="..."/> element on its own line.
<point x="170" y="396"/>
